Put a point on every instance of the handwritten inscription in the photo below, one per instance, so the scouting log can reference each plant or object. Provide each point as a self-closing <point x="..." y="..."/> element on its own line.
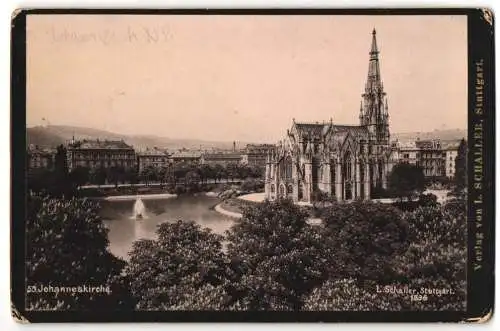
<point x="141" y="34"/>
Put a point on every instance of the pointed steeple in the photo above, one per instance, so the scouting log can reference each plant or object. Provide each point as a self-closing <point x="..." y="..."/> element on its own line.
<point x="374" y="49"/>
<point x="374" y="103"/>
<point x="374" y="80"/>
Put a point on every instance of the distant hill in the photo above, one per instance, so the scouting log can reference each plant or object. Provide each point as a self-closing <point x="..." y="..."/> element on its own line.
<point x="40" y="136"/>
<point x="53" y="135"/>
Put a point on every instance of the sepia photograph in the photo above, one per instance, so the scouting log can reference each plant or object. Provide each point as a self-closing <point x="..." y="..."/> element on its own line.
<point x="295" y="163"/>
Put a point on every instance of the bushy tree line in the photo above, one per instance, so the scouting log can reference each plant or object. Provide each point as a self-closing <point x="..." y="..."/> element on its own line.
<point x="66" y="246"/>
<point x="199" y="173"/>
<point x="271" y="259"/>
<point x="60" y="180"/>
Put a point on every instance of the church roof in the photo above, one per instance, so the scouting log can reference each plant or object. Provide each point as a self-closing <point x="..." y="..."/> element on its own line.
<point x="310" y="128"/>
<point x="317" y="129"/>
<point x="355" y="130"/>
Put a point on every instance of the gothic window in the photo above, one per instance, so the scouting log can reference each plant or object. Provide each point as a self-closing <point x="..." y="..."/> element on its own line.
<point x="290" y="189"/>
<point x="333" y="179"/>
<point x="347" y="166"/>
<point x="282" y="190"/>
<point x="288" y="168"/>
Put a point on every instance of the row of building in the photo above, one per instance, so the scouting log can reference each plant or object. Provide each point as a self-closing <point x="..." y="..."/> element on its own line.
<point x="108" y="153"/>
<point x="435" y="157"/>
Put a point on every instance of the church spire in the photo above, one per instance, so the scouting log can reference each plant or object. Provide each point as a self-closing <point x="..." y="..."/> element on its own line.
<point x="374" y="80"/>
<point x="375" y="109"/>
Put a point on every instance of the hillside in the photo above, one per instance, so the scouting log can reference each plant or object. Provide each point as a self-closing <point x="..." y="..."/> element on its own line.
<point x="53" y="135"/>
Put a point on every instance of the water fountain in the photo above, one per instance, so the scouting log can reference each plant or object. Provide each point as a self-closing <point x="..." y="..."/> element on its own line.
<point x="139" y="209"/>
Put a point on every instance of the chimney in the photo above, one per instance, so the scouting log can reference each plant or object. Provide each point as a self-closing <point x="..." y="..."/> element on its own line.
<point x="234" y="146"/>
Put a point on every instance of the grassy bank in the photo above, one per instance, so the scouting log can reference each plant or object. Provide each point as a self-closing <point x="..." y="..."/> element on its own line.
<point x="236" y="205"/>
<point x="134" y="190"/>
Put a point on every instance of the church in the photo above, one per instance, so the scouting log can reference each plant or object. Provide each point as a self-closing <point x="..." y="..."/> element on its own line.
<point x="345" y="162"/>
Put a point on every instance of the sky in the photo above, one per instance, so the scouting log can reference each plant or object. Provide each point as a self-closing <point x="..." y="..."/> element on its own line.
<point x="241" y="78"/>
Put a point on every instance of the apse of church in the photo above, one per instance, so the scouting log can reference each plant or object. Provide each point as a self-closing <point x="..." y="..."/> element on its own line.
<point x="346" y="162"/>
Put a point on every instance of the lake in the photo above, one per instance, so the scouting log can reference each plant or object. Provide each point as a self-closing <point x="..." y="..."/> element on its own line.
<point x="124" y="229"/>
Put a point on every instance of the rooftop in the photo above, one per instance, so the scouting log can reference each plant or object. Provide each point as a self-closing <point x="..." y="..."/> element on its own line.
<point x="221" y="156"/>
<point x="186" y="154"/>
<point x="35" y="149"/>
<point x="153" y="152"/>
<point x="451" y="144"/>
<point x="99" y="144"/>
<point x="428" y="144"/>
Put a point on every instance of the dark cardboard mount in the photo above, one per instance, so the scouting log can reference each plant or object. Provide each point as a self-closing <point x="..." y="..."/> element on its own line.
<point x="480" y="292"/>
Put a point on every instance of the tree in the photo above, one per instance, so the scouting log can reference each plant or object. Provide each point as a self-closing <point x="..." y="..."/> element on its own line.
<point x="169" y="272"/>
<point x="232" y="170"/>
<point x="257" y="171"/>
<point x="80" y="176"/>
<point x="276" y="258"/>
<point x="461" y="167"/>
<point x="244" y="171"/>
<point x="131" y="175"/>
<point x="206" y="172"/>
<point x="98" y="175"/>
<point x="362" y="238"/>
<point x="67" y="246"/>
<point x="61" y="184"/>
<point x="406" y="181"/>
<point x="180" y="170"/>
<point x="162" y="174"/>
<point x="40" y="180"/>
<point x="219" y="172"/>
<point x="437" y="256"/>
<point x="427" y="200"/>
<point x="149" y="174"/>
<point x="252" y="185"/>
<point x="113" y="175"/>
<point x="347" y="295"/>
<point x="192" y="180"/>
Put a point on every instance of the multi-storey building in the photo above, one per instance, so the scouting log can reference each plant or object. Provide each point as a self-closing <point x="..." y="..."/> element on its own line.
<point x="221" y="158"/>
<point x="186" y="156"/>
<point x="430" y="158"/>
<point x="40" y="157"/>
<point x="100" y="153"/>
<point x="255" y="154"/>
<point x="408" y="152"/>
<point x="436" y="158"/>
<point x="155" y="157"/>
<point x="450" y="152"/>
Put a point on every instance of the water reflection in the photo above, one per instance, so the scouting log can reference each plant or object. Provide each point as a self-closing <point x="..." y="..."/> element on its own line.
<point x="124" y="230"/>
